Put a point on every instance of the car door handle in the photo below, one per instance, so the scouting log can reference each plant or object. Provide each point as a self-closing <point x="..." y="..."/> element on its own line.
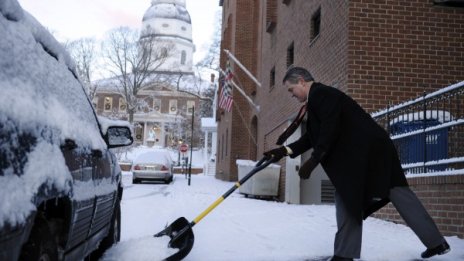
<point x="297" y="167"/>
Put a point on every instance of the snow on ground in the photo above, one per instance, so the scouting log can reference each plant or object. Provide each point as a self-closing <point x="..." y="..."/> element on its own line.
<point x="248" y="229"/>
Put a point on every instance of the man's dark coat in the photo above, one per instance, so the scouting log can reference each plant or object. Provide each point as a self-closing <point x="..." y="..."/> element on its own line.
<point x="356" y="153"/>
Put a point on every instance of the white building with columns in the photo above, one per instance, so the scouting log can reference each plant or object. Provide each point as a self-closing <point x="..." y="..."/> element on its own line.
<point x="162" y="121"/>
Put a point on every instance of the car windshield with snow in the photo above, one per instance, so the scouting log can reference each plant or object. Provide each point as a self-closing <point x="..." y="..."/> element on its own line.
<point x="153" y="165"/>
<point x="61" y="185"/>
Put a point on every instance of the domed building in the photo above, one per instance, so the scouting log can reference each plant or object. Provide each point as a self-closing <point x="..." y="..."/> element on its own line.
<point x="169" y="21"/>
<point x="165" y="109"/>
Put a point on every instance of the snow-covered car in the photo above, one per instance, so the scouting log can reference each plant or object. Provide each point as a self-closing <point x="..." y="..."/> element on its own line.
<point x="153" y="165"/>
<point x="60" y="185"/>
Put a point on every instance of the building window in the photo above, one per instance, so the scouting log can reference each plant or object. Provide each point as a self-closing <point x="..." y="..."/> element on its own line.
<point x="183" y="57"/>
<point x="316" y="24"/>
<point x="122" y="105"/>
<point x="172" y="106"/>
<point x="290" y="55"/>
<point x="272" y="77"/>
<point x="164" y="52"/>
<point x="138" y="133"/>
<point x="148" y="29"/>
<point x="157" y="105"/>
<point x="271" y="15"/>
<point x="108" y="105"/>
<point x="286" y="2"/>
<point x="190" y="105"/>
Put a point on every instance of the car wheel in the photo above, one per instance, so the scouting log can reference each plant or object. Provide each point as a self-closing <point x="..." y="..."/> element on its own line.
<point x="41" y="245"/>
<point x="114" y="234"/>
<point x="135" y="181"/>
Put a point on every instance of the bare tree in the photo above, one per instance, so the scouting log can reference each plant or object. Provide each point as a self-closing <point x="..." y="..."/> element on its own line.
<point x="210" y="63"/>
<point x="211" y="59"/>
<point x="207" y="65"/>
<point x="206" y="105"/>
<point x="133" y="63"/>
<point x="84" y="54"/>
<point x="194" y="86"/>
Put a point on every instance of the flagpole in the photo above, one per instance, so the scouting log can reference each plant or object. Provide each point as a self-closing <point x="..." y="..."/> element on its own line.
<point x="241" y="91"/>
<point x="231" y="56"/>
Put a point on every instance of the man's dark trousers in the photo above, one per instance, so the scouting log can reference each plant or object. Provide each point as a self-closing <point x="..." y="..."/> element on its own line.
<point x="349" y="235"/>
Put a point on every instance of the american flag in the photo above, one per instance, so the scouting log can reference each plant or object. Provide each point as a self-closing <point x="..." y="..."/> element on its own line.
<point x="225" y="98"/>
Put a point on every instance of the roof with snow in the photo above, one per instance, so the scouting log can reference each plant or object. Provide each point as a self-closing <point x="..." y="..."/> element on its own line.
<point x="208" y="124"/>
<point x="160" y="81"/>
<point x="174" y="9"/>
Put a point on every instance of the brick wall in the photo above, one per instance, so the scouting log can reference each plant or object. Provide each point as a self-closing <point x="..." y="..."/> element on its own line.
<point x="400" y="49"/>
<point x="240" y="36"/>
<point x="442" y="196"/>
<point x="325" y="56"/>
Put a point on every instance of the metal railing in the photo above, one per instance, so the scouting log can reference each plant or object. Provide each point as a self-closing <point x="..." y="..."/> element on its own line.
<point x="428" y="132"/>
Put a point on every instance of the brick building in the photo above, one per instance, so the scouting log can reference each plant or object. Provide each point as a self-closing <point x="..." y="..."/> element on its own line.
<point x="162" y="121"/>
<point x="378" y="52"/>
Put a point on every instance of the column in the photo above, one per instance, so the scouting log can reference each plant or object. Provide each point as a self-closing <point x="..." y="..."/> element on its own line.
<point x="144" y="133"/>
<point x="205" y="154"/>
<point x="162" y="139"/>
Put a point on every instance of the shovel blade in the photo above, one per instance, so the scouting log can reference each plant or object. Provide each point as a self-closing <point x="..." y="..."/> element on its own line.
<point x="181" y="234"/>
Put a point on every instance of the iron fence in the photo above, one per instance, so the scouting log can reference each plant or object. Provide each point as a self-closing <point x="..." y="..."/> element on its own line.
<point x="428" y="132"/>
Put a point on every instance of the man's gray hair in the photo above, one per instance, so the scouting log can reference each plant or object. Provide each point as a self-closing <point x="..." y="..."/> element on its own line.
<point x="294" y="73"/>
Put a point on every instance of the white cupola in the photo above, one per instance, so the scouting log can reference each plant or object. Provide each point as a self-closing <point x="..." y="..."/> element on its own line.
<point x="169" y="21"/>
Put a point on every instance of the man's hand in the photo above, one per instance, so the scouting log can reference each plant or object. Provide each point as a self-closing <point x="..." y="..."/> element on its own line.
<point x="307" y="168"/>
<point x="276" y="154"/>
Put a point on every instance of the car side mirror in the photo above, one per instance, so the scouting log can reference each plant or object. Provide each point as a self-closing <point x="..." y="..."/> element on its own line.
<point x="118" y="136"/>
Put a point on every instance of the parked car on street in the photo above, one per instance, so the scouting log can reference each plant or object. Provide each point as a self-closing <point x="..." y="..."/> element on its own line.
<point x="60" y="184"/>
<point x="153" y="165"/>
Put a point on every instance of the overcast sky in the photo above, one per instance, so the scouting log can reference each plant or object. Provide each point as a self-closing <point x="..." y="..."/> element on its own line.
<point x="73" y="19"/>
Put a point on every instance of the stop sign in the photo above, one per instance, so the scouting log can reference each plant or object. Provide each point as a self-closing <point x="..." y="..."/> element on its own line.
<point x="183" y="148"/>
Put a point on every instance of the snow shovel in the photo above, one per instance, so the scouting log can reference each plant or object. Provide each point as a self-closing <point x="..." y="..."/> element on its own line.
<point x="180" y="231"/>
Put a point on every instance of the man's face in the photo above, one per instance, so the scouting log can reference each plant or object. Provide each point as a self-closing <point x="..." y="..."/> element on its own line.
<point x="297" y="90"/>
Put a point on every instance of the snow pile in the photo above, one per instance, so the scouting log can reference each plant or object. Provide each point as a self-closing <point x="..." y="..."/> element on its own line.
<point x="147" y="248"/>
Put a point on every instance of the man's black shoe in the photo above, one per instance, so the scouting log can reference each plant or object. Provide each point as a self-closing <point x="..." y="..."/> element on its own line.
<point x="339" y="258"/>
<point x="441" y="249"/>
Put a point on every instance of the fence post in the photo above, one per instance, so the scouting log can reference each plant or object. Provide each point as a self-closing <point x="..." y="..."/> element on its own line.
<point x="424" y="126"/>
<point x="388" y="118"/>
